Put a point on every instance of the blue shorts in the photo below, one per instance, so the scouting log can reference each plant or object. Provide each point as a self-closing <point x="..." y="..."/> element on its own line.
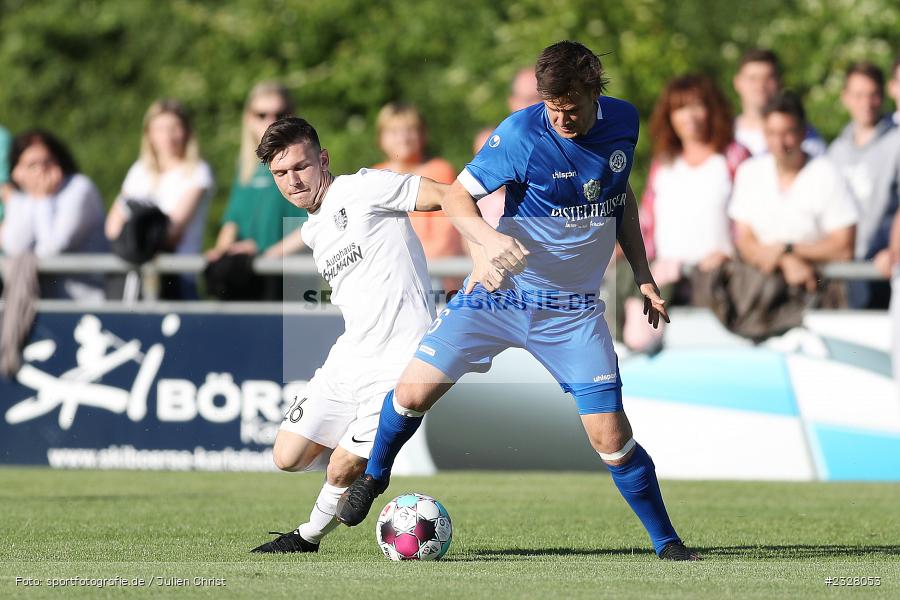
<point x="566" y="333"/>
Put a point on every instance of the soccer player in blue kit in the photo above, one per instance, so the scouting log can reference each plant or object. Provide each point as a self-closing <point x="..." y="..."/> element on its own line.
<point x="565" y="163"/>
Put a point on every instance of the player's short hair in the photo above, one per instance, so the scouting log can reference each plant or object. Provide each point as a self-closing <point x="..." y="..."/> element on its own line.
<point x="866" y="69"/>
<point x="283" y="133"/>
<point x="786" y="102"/>
<point x="568" y="68"/>
<point x="761" y="55"/>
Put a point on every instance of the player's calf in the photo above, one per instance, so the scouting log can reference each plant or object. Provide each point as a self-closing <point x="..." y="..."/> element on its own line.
<point x="343" y="468"/>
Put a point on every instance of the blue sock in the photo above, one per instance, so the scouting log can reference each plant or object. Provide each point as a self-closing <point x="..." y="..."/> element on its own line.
<point x="637" y="482"/>
<point x="394" y="430"/>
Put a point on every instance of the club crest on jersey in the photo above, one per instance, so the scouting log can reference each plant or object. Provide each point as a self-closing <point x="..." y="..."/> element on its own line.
<point x="617" y="161"/>
<point x="340" y="219"/>
<point x="592" y="189"/>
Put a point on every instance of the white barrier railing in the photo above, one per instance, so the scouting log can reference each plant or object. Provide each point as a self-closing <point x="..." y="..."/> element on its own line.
<point x="304" y="265"/>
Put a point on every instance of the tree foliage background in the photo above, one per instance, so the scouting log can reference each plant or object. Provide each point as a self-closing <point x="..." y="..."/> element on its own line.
<point x="88" y="69"/>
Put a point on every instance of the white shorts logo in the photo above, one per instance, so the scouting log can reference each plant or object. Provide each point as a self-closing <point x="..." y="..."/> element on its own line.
<point x="426" y="350"/>
<point x="617" y="161"/>
<point x="494" y="141"/>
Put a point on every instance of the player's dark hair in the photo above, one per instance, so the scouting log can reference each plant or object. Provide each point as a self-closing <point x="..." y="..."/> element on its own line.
<point x="786" y="102"/>
<point x="763" y="55"/>
<point x="694" y="87"/>
<point x="57" y="149"/>
<point x="866" y="69"/>
<point x="568" y="68"/>
<point x="283" y="133"/>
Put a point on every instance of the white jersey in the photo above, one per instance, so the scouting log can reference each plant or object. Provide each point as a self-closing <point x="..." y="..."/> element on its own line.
<point x="365" y="248"/>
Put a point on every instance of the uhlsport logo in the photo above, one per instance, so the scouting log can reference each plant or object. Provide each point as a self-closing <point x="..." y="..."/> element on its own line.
<point x="494" y="141"/>
<point x="617" y="161"/>
<point x="340" y="219"/>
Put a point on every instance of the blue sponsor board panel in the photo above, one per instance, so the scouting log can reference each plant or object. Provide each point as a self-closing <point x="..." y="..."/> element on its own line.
<point x="168" y="390"/>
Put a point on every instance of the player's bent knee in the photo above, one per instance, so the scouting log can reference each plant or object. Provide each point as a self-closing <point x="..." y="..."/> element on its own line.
<point x="413" y="397"/>
<point x="293" y="453"/>
<point x="287" y="461"/>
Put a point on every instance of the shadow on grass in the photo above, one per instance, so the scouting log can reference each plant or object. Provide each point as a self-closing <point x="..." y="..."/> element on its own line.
<point x="101" y="497"/>
<point x="783" y="552"/>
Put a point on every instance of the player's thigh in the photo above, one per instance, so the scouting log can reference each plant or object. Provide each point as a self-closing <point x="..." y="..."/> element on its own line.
<point x="317" y="418"/>
<point x="473" y="328"/>
<point x="608" y="432"/>
<point x="293" y="452"/>
<point x="577" y="349"/>
<point x="421" y="385"/>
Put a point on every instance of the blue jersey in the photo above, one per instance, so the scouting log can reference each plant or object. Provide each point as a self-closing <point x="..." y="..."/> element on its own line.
<point x="564" y="197"/>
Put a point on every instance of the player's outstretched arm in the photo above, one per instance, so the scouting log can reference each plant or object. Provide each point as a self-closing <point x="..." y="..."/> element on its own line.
<point x="633" y="248"/>
<point x="505" y="253"/>
<point x="431" y="195"/>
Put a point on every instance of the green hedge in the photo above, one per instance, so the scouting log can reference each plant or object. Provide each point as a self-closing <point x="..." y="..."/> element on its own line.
<point x="88" y="69"/>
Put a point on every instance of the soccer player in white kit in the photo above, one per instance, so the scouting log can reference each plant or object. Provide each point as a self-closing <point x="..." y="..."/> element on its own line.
<point x="363" y="244"/>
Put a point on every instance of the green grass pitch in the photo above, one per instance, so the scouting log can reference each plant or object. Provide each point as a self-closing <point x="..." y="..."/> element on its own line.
<point x="516" y="535"/>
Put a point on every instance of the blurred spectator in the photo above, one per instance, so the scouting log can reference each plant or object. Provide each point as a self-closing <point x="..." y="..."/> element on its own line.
<point x="894" y="90"/>
<point x="894" y="274"/>
<point x="4" y="177"/>
<point x="868" y="154"/>
<point x="5" y="140"/>
<point x="684" y="206"/>
<point x="254" y="221"/>
<point x="402" y="136"/>
<point x="791" y="211"/>
<point x="757" y="80"/>
<point x="52" y="209"/>
<point x="170" y="175"/>
<point x="523" y="92"/>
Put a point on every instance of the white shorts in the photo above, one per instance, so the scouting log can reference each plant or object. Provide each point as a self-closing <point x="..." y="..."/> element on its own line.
<point x="340" y="408"/>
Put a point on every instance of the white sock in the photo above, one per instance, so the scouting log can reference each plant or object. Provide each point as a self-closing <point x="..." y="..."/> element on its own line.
<point x="321" y="519"/>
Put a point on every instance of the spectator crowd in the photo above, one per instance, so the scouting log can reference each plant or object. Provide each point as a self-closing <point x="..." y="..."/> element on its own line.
<point x="735" y="206"/>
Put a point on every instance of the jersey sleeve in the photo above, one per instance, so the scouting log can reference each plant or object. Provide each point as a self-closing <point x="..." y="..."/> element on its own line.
<point x="390" y="192"/>
<point x="502" y="160"/>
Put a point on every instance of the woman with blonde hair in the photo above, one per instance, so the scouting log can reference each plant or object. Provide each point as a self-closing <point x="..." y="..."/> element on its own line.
<point x="257" y="221"/>
<point x="254" y="221"/>
<point x="170" y="175"/>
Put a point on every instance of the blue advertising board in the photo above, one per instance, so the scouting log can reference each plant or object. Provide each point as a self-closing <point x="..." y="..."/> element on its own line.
<point x="168" y="390"/>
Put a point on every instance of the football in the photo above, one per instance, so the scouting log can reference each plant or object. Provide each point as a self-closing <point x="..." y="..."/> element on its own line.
<point x="414" y="527"/>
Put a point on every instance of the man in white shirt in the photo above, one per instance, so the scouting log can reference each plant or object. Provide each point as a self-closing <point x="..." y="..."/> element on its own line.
<point x="757" y="80"/>
<point x="868" y="154"/>
<point x="894" y="90"/>
<point x="791" y="211"/>
<point x="364" y="246"/>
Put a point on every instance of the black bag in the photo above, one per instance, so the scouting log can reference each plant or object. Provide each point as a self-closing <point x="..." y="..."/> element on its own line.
<point x="232" y="278"/>
<point x="144" y="234"/>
